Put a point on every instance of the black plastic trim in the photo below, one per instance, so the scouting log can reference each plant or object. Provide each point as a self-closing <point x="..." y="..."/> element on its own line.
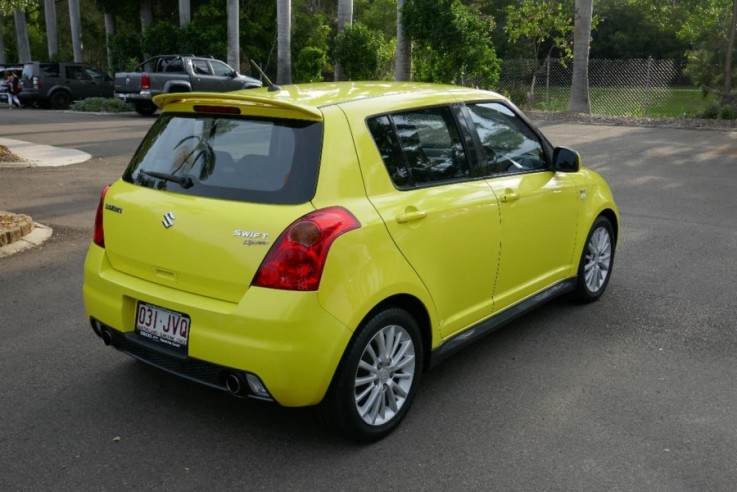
<point x="466" y="337"/>
<point x="174" y="361"/>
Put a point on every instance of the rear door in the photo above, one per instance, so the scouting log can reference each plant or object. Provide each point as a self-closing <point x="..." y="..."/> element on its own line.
<point x="444" y="222"/>
<point x="206" y="196"/>
<point x="203" y="77"/>
<point x="538" y="206"/>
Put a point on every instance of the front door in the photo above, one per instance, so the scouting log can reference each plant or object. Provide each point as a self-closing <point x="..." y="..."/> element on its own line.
<point x="538" y="206"/>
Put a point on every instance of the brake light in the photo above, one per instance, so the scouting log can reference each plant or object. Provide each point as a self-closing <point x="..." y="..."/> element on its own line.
<point x="98" y="236"/>
<point x="145" y="82"/>
<point x="36" y="82"/>
<point x="297" y="259"/>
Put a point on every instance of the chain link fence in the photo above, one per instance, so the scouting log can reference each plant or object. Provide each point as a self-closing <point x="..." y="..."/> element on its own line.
<point x="636" y="87"/>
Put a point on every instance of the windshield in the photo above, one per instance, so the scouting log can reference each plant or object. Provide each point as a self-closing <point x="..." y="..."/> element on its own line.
<point x="246" y="159"/>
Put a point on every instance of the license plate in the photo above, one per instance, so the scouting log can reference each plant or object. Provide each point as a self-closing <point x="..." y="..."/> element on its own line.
<point x="162" y="325"/>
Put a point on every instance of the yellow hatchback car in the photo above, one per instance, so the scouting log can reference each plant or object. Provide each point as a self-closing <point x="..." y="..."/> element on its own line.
<point x="326" y="243"/>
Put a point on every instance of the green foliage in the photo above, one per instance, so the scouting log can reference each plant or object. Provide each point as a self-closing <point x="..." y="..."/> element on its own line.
<point x="8" y="6"/>
<point x="125" y="50"/>
<point x="379" y="15"/>
<point x="541" y="24"/>
<point x="363" y="53"/>
<point x="626" y="30"/>
<point x="101" y="105"/>
<point x="310" y="65"/>
<point x="451" y="43"/>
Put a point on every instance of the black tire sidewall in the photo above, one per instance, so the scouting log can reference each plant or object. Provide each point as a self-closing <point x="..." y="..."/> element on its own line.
<point x="340" y="408"/>
<point x="60" y="100"/>
<point x="582" y="291"/>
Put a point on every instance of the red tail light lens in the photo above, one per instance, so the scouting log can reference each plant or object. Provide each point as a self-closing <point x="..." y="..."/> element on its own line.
<point x="98" y="236"/>
<point x="297" y="259"/>
<point x="145" y="82"/>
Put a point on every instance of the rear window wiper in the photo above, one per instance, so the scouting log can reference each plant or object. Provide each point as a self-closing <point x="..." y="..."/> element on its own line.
<point x="183" y="181"/>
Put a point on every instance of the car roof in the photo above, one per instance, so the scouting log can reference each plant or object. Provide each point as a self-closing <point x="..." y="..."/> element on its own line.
<point x="323" y="94"/>
<point x="308" y="99"/>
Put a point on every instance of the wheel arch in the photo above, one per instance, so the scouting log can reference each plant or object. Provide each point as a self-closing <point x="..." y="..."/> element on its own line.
<point x="613" y="220"/>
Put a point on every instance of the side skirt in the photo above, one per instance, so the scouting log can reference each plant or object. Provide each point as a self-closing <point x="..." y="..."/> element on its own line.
<point x="466" y="337"/>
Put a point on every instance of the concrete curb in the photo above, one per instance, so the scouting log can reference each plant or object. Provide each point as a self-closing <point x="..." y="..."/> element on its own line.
<point x="37" y="236"/>
<point x="37" y="155"/>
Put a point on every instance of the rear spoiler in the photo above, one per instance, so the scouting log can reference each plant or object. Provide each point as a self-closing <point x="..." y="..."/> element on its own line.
<point x="275" y="107"/>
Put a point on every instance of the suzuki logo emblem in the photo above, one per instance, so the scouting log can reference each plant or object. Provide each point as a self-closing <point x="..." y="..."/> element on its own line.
<point x="168" y="219"/>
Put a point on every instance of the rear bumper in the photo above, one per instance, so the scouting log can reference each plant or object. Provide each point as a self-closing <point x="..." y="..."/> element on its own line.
<point x="134" y="97"/>
<point x="284" y="338"/>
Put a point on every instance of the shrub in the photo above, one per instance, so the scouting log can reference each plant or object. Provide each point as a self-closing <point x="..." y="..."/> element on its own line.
<point x="101" y="105"/>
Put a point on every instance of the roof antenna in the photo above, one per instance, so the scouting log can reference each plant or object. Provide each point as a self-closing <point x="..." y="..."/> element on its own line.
<point x="272" y="86"/>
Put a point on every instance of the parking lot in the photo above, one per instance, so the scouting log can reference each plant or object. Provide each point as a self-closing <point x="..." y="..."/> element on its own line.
<point x="634" y="392"/>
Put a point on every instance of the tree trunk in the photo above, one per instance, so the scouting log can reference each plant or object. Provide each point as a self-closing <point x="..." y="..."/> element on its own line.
<point x="147" y="15"/>
<point x="403" y="67"/>
<point x="345" y="17"/>
<point x="284" y="41"/>
<point x="730" y="50"/>
<point x="21" y="36"/>
<point x="2" y="49"/>
<point x="75" y="20"/>
<point x="109" y="33"/>
<point x="185" y="12"/>
<point x="579" y="100"/>
<point x="234" y="46"/>
<point x="52" y="39"/>
<point x="147" y="20"/>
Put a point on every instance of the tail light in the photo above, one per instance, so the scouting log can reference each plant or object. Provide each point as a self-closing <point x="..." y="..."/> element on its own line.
<point x="98" y="236"/>
<point x="36" y="82"/>
<point x="145" y="82"/>
<point x="297" y="259"/>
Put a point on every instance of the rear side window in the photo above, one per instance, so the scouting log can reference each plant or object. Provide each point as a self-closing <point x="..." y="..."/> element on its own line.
<point x="422" y="147"/>
<point x="245" y="159"/>
<point x="49" y="69"/>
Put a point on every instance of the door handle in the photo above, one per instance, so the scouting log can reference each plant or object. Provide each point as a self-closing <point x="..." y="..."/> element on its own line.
<point x="411" y="216"/>
<point x="509" y="196"/>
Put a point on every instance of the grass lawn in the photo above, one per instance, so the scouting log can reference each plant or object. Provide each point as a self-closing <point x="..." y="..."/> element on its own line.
<point x="656" y="103"/>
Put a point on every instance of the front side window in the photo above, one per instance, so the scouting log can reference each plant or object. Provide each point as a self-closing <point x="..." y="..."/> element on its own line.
<point x="255" y="160"/>
<point x="422" y="147"/>
<point x="221" y="69"/>
<point x="509" y="145"/>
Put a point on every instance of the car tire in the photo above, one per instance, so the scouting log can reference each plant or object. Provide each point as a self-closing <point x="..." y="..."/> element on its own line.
<point x="377" y="379"/>
<point x="60" y="100"/>
<point x="597" y="260"/>
<point x="145" y="108"/>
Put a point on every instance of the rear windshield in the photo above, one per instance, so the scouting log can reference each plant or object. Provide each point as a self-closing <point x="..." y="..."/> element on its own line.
<point x="244" y="159"/>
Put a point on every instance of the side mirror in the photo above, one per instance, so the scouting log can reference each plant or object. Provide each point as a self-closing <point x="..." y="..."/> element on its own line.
<point x="234" y="74"/>
<point x="566" y="160"/>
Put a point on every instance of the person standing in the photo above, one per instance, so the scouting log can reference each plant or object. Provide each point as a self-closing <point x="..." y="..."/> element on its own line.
<point x="12" y="82"/>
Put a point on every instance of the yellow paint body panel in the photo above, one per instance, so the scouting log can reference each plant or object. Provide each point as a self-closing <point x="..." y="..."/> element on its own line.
<point x="480" y="247"/>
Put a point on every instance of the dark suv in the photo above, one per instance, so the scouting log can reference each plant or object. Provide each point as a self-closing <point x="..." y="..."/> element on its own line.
<point x="57" y="84"/>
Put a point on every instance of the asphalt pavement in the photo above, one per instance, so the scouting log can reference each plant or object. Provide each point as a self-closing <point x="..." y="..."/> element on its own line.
<point x="633" y="392"/>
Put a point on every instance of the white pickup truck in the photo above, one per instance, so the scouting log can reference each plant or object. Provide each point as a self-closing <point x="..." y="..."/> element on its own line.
<point x="177" y="73"/>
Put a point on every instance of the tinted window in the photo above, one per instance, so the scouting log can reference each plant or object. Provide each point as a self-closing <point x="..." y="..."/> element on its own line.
<point x="429" y="143"/>
<point x="76" y="73"/>
<point x="391" y="153"/>
<point x="49" y="69"/>
<point x="510" y="146"/>
<point x="200" y="67"/>
<point x="220" y="68"/>
<point x="256" y="160"/>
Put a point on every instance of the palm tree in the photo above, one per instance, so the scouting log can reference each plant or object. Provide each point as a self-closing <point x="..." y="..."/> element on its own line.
<point x="110" y="30"/>
<point x="579" y="100"/>
<point x="730" y="49"/>
<point x="184" y="13"/>
<point x="403" y="67"/>
<point x="345" y="17"/>
<point x="2" y="47"/>
<point x="284" y="41"/>
<point x="75" y="20"/>
<point x="147" y="15"/>
<point x="21" y="36"/>
<point x="52" y="40"/>
<point x="234" y="47"/>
